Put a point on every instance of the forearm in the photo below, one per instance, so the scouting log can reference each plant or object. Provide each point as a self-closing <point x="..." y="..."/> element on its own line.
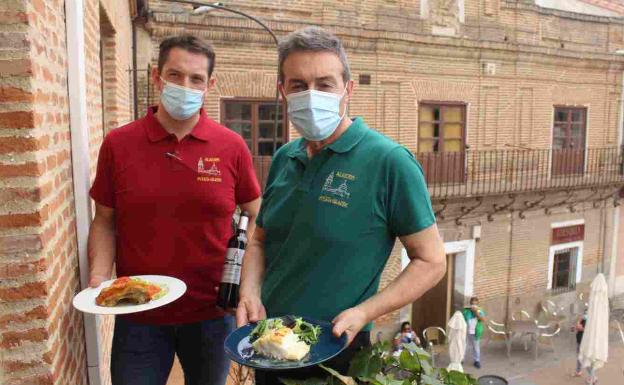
<point x="252" y="271"/>
<point x="101" y="248"/>
<point x="417" y="278"/>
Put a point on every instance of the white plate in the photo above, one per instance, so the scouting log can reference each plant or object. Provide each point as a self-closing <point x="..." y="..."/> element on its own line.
<point x="85" y="300"/>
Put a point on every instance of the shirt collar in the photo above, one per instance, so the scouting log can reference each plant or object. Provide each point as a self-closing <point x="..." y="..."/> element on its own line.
<point x="349" y="139"/>
<point x="156" y="132"/>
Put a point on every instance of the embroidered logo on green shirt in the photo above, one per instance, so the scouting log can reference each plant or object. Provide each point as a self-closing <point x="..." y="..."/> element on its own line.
<point x="342" y="191"/>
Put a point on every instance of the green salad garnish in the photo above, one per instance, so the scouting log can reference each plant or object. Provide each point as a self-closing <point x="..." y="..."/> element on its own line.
<point x="306" y="331"/>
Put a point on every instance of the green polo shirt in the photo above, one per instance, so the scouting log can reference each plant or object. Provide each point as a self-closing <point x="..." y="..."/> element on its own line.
<point x="331" y="221"/>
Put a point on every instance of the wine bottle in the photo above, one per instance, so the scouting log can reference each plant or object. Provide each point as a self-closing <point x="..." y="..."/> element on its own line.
<point x="230" y="280"/>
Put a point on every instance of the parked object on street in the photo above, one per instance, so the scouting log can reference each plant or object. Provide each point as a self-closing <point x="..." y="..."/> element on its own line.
<point x="457" y="341"/>
<point x="594" y="349"/>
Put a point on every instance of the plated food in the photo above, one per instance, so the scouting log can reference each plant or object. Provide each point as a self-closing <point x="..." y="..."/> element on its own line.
<point x="284" y="341"/>
<point x="126" y="295"/>
<point x="130" y="290"/>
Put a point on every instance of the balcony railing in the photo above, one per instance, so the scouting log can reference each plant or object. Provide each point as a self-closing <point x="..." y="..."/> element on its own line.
<point x="494" y="172"/>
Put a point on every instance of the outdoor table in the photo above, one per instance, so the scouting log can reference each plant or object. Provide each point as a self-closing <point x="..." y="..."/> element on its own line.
<point x="522" y="327"/>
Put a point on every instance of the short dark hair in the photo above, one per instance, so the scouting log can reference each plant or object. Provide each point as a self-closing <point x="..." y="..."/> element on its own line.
<point x="313" y="39"/>
<point x="189" y="43"/>
<point x="474" y="299"/>
<point x="404" y="324"/>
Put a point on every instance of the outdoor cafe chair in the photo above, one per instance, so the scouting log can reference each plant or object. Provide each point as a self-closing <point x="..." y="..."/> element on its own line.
<point x="435" y="341"/>
<point x="521" y="315"/>
<point x="496" y="330"/>
<point x="548" y="332"/>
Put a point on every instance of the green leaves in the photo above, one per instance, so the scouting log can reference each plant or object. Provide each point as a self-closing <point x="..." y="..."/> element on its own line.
<point x="345" y="380"/>
<point x="428" y="380"/>
<point x="375" y="366"/>
<point x="409" y="361"/>
<point x="365" y="364"/>
<point x="412" y="347"/>
<point x="381" y="379"/>
<point x="307" y="332"/>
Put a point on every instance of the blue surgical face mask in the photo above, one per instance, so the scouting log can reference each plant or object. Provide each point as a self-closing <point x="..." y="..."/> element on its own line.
<point x="180" y="102"/>
<point x="315" y="114"/>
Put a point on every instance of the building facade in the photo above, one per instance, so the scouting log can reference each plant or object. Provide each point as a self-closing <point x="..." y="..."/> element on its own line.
<point x="512" y="107"/>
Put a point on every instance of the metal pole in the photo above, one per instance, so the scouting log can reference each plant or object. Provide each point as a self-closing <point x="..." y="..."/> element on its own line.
<point x="266" y="28"/>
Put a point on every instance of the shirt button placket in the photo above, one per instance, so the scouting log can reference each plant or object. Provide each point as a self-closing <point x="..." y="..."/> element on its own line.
<point x="176" y="164"/>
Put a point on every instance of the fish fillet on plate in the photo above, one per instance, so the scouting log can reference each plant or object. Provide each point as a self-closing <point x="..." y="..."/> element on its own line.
<point x="290" y="340"/>
<point x="281" y="344"/>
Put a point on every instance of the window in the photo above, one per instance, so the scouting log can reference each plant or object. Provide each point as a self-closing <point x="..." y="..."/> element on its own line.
<point x="569" y="128"/>
<point x="254" y="121"/>
<point x="441" y="141"/>
<point x="569" y="141"/>
<point x="441" y="127"/>
<point x="564" y="269"/>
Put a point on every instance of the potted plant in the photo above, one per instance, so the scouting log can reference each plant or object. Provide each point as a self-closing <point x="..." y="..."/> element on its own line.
<point x="375" y="366"/>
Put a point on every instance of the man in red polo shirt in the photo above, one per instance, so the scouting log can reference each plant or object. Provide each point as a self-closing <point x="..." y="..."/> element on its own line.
<point x="165" y="191"/>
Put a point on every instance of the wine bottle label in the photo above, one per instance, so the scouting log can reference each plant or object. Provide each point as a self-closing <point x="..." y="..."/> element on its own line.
<point x="232" y="267"/>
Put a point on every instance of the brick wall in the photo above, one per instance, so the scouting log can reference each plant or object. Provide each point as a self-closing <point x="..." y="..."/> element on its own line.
<point x="41" y="335"/>
<point x="42" y="338"/>
<point x="512" y="107"/>
<point x="542" y="58"/>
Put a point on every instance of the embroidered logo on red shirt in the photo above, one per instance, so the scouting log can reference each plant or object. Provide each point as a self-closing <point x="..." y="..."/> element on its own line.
<point x="208" y="170"/>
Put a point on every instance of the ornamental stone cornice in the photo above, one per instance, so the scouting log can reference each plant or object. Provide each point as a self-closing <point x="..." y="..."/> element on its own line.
<point x="231" y="29"/>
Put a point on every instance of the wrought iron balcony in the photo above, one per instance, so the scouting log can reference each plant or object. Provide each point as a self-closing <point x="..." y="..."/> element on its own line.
<point x="495" y="172"/>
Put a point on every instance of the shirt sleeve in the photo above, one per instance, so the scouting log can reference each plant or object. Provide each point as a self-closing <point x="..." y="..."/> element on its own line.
<point x="247" y="187"/>
<point x="408" y="205"/>
<point x="103" y="189"/>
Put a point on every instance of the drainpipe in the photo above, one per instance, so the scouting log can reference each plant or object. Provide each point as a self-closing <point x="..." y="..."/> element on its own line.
<point x="79" y="130"/>
<point x="135" y="82"/>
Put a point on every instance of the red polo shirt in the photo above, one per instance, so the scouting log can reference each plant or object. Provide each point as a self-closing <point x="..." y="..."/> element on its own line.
<point x="173" y="213"/>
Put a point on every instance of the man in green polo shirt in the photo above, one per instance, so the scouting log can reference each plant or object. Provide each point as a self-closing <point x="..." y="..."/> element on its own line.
<point x="335" y="202"/>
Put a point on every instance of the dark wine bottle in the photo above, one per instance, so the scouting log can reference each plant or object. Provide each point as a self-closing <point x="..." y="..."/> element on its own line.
<point x="230" y="280"/>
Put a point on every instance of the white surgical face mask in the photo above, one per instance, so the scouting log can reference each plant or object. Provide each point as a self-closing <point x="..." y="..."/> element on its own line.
<point x="315" y="114"/>
<point x="181" y="102"/>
